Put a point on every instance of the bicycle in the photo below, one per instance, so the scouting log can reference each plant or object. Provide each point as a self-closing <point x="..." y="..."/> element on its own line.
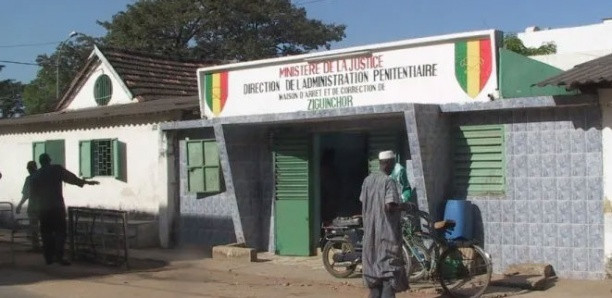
<point x="462" y="268"/>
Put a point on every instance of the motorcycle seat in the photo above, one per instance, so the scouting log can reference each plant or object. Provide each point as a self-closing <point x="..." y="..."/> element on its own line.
<point x="347" y="221"/>
<point x="444" y="224"/>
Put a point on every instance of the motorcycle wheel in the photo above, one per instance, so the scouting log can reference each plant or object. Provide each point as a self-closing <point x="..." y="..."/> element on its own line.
<point x="337" y="246"/>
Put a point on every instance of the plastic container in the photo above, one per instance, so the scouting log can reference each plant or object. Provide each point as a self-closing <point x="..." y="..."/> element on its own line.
<point x="461" y="212"/>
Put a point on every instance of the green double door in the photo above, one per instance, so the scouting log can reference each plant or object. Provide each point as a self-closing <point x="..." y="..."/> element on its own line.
<point x="296" y="202"/>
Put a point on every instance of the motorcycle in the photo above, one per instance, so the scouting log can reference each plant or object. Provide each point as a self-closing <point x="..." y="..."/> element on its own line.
<point x="342" y="246"/>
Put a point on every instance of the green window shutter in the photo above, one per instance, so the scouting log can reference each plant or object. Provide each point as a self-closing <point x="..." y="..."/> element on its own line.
<point x="38" y="148"/>
<point x="55" y="149"/>
<point x="195" y="169"/>
<point x="103" y="90"/>
<point x="212" y="167"/>
<point x="381" y="141"/>
<point x="479" y="160"/>
<point x="85" y="168"/>
<point x="203" y="166"/>
<point x="118" y="153"/>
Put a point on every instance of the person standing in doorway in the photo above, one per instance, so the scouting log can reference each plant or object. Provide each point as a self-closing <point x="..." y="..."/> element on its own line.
<point x="47" y="188"/>
<point x="26" y="195"/>
<point x="383" y="266"/>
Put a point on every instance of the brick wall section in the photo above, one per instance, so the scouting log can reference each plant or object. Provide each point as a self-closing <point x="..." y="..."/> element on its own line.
<point x="552" y="210"/>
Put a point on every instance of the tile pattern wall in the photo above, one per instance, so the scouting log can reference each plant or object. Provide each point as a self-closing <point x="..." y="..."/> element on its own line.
<point x="552" y="210"/>
<point x="434" y="144"/>
<point x="250" y="161"/>
<point x="418" y="180"/>
<point x="203" y="220"/>
<point x="243" y="211"/>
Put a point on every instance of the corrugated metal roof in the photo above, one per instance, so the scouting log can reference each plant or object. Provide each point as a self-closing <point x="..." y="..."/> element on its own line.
<point x="159" y="106"/>
<point x="594" y="72"/>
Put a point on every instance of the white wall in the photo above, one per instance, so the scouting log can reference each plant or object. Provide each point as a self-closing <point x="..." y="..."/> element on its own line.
<point x="566" y="61"/>
<point x="572" y="40"/>
<point x="85" y="96"/>
<point x="606" y="107"/>
<point x="575" y="45"/>
<point x="144" y="190"/>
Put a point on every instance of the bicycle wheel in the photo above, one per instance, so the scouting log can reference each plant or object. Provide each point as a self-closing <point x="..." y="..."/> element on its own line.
<point x="464" y="271"/>
<point x="340" y="270"/>
<point x="418" y="260"/>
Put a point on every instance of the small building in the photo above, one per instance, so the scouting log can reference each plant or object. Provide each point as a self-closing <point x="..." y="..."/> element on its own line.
<point x="106" y="127"/>
<point x="285" y="143"/>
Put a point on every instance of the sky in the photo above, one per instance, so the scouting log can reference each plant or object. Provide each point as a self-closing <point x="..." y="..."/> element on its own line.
<point x="33" y="27"/>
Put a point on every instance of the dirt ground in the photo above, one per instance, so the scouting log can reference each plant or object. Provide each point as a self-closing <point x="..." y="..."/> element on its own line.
<point x="174" y="273"/>
<point x="185" y="276"/>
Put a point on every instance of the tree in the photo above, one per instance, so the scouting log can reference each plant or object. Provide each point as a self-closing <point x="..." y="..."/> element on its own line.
<point x="513" y="43"/>
<point x="39" y="96"/>
<point x="10" y="98"/>
<point x="219" y="30"/>
<point x="196" y="29"/>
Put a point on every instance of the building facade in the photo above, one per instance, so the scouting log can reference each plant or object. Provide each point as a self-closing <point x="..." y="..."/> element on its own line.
<point x="106" y="127"/>
<point x="287" y="142"/>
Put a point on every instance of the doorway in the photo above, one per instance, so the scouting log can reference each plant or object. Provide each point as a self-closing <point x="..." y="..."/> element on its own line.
<point x="343" y="164"/>
<point x="318" y="177"/>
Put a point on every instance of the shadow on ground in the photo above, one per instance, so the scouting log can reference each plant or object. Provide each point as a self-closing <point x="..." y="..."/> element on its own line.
<point x="29" y="267"/>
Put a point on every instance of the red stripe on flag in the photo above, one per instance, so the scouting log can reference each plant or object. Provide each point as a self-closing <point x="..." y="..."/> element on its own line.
<point x="485" y="61"/>
<point x="223" y="85"/>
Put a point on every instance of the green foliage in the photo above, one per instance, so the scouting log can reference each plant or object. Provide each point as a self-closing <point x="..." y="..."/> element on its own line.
<point x="39" y="96"/>
<point x="513" y="43"/>
<point x="219" y="30"/>
<point x="197" y="29"/>
<point x="10" y="99"/>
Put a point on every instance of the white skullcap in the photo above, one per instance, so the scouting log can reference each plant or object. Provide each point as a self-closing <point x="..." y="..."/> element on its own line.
<point x="386" y="155"/>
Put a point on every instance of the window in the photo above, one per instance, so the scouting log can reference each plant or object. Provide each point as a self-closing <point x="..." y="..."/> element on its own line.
<point x="479" y="160"/>
<point x="203" y="166"/>
<point x="54" y="148"/>
<point x="103" y="157"/>
<point x="103" y="90"/>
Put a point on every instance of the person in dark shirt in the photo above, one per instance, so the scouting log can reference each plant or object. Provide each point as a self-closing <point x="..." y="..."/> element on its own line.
<point x="47" y="188"/>
<point x="32" y="205"/>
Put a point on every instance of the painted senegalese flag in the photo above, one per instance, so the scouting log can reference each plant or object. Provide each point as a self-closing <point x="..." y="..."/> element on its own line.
<point x="215" y="91"/>
<point x="473" y="65"/>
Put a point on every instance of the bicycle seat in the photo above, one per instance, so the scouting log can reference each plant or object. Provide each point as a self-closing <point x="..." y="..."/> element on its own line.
<point x="444" y="224"/>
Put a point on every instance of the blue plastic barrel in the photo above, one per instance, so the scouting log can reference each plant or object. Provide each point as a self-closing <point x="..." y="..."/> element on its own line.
<point x="461" y="212"/>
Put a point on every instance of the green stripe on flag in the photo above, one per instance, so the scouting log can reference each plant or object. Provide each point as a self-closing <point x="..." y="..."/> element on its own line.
<point x="209" y="97"/>
<point x="461" y="64"/>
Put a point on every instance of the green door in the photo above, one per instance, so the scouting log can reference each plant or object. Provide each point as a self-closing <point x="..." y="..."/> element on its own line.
<point x="38" y="148"/>
<point x="292" y="189"/>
